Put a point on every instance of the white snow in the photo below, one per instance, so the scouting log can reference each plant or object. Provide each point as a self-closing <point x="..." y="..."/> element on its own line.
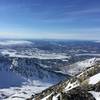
<point x="14" y="42"/>
<point x="56" y="97"/>
<point x="72" y="85"/>
<point x="94" y="79"/>
<point x="38" y="55"/>
<point x="96" y="95"/>
<point x="23" y="92"/>
<point x="88" y="54"/>
<point x="81" y="65"/>
<point x="45" y="98"/>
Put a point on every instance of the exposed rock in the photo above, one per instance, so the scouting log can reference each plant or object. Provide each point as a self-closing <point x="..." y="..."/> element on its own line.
<point x="79" y="89"/>
<point x="77" y="94"/>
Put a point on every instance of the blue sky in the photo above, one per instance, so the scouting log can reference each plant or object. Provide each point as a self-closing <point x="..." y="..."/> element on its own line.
<point x="55" y="19"/>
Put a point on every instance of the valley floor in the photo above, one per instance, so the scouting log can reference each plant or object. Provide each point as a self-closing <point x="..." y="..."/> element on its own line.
<point x="22" y="93"/>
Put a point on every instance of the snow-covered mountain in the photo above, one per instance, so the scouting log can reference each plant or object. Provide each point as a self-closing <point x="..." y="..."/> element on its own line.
<point x="28" y="67"/>
<point x="18" y="73"/>
<point x="80" y="66"/>
<point x="25" y="75"/>
<point x="83" y="86"/>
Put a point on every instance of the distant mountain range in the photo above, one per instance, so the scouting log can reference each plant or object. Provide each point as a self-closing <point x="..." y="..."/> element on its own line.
<point x="28" y="67"/>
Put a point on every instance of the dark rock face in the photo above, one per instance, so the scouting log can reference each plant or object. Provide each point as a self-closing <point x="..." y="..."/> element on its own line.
<point x="81" y="93"/>
<point x="97" y="87"/>
<point x="77" y="94"/>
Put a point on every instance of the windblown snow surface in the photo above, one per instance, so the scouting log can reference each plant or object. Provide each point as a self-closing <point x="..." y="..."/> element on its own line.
<point x="93" y="80"/>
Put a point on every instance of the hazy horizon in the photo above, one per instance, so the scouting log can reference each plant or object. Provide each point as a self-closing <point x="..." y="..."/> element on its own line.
<point x="50" y="19"/>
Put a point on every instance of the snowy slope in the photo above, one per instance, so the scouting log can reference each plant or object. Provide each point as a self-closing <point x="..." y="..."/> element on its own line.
<point x="80" y="66"/>
<point x="96" y="95"/>
<point x="23" y="92"/>
<point x="94" y="79"/>
<point x="20" y="78"/>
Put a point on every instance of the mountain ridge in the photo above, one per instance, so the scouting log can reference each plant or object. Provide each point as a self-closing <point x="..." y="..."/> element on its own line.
<point x="78" y="80"/>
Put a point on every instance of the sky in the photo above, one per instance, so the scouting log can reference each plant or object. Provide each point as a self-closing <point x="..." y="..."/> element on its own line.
<point x="50" y="19"/>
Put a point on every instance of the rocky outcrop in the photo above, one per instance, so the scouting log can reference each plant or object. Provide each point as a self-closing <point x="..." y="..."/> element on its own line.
<point x="81" y="92"/>
<point x="78" y="81"/>
<point x="77" y="94"/>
